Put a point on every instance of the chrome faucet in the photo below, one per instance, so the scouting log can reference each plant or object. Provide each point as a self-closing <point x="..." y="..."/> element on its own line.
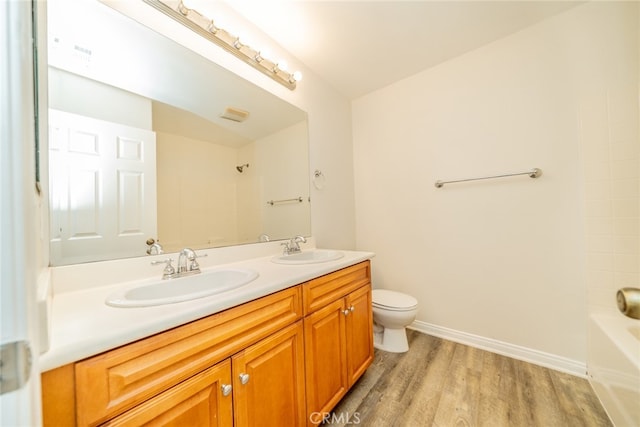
<point x="293" y="245"/>
<point x="187" y="264"/>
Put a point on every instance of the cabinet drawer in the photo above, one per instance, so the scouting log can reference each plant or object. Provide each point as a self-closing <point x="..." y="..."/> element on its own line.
<point x="321" y="291"/>
<point x="111" y="383"/>
<point x="198" y="401"/>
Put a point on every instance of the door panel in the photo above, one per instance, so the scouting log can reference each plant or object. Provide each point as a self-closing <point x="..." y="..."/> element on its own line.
<point x="359" y="333"/>
<point x="326" y="357"/>
<point x="103" y="188"/>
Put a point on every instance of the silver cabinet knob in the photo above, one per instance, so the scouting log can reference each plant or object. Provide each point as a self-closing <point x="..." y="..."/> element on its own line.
<point x="352" y="308"/>
<point x="226" y="389"/>
<point x="244" y="378"/>
<point x="346" y="312"/>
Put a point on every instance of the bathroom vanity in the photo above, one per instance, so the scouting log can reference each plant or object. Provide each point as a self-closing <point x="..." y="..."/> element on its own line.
<point x="279" y="357"/>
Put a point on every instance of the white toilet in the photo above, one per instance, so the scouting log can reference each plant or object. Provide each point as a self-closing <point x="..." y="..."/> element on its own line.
<point x="392" y="312"/>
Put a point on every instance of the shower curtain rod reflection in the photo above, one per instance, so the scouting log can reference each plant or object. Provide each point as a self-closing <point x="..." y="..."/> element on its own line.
<point x="533" y="173"/>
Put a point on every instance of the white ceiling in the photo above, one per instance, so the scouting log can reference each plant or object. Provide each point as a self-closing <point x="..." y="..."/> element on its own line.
<point x="360" y="46"/>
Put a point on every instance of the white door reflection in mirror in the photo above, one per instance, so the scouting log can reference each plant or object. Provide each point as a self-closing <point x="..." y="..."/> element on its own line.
<point x="103" y="188"/>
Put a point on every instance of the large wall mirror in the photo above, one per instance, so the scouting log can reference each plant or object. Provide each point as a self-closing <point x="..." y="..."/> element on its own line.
<point x="149" y="140"/>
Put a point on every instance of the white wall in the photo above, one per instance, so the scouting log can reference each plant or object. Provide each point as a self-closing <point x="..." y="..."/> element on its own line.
<point x="79" y="95"/>
<point x="196" y="193"/>
<point x="500" y="262"/>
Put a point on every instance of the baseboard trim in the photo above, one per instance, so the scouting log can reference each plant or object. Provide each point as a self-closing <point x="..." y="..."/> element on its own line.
<point x="536" y="357"/>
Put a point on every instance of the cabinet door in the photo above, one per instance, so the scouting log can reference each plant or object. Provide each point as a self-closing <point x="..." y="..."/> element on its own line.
<point x="268" y="381"/>
<point x="326" y="357"/>
<point x="359" y="332"/>
<point x="199" y="401"/>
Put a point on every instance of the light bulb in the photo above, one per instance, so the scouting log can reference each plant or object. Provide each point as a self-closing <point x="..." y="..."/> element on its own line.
<point x="264" y="54"/>
<point x="282" y="66"/>
<point x="296" y="76"/>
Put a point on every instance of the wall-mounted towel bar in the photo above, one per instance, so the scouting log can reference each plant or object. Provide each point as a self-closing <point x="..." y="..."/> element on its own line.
<point x="274" y="202"/>
<point x="533" y="173"/>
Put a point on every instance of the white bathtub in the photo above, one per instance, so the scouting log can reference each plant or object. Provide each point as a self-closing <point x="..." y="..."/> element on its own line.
<point x="613" y="366"/>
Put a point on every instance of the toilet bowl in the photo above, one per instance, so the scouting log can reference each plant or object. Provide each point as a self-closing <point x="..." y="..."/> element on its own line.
<point x="392" y="313"/>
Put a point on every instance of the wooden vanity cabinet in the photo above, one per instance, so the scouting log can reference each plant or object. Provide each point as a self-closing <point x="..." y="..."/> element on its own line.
<point x="338" y="328"/>
<point x="147" y="378"/>
<point x="271" y="361"/>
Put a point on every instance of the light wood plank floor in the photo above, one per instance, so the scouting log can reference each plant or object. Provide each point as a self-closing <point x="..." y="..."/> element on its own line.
<point x="442" y="383"/>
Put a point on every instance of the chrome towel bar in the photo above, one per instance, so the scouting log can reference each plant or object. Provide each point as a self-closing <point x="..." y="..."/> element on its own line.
<point x="533" y="173"/>
<point x="273" y="202"/>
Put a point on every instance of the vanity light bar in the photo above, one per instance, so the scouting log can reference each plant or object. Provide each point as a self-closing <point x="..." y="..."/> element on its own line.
<point x="207" y="28"/>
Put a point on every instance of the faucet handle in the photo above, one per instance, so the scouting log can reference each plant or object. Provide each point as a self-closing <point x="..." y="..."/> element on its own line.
<point x="193" y="264"/>
<point x="286" y="249"/>
<point x="169" y="270"/>
<point x="294" y="244"/>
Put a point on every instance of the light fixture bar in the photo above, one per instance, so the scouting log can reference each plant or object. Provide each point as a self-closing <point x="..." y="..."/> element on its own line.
<point x="208" y="29"/>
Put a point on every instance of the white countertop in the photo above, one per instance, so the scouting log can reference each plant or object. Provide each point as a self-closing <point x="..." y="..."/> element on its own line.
<point x="82" y="325"/>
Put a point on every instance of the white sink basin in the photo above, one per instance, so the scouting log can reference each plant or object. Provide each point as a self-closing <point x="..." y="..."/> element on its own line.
<point x="159" y="292"/>
<point x="308" y="257"/>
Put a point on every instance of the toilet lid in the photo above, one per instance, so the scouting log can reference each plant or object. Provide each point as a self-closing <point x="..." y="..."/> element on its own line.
<point x="392" y="299"/>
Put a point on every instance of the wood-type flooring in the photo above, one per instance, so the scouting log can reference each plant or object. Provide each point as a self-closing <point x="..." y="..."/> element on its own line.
<point x="446" y="384"/>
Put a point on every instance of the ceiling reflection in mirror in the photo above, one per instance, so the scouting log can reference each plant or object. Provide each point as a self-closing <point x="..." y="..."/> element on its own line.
<point x="149" y="140"/>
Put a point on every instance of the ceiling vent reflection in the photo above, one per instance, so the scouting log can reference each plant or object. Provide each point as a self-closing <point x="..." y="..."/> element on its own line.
<point x="235" y="114"/>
